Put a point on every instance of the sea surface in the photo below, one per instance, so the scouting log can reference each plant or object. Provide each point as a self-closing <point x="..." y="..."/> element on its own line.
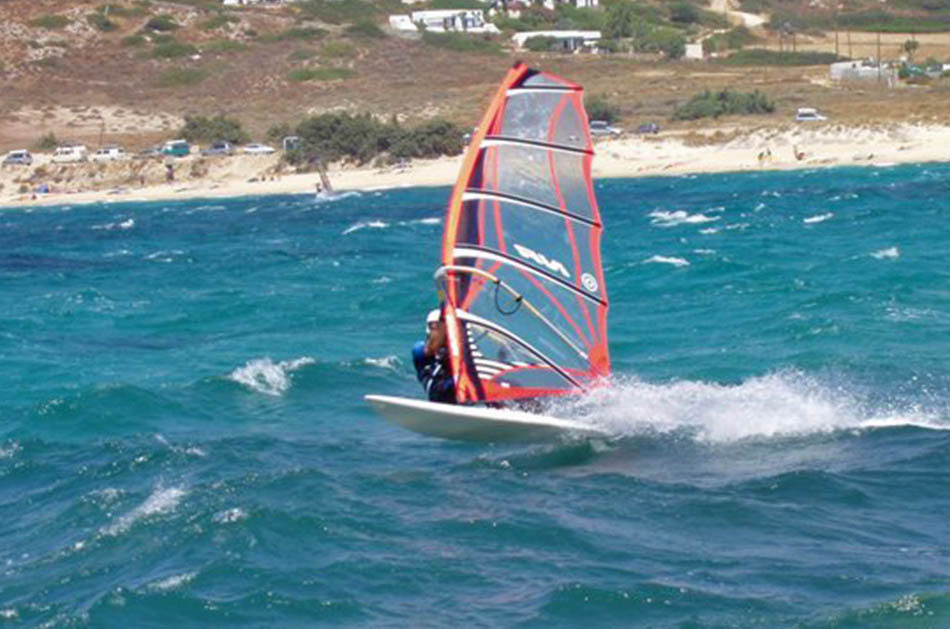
<point x="183" y="439"/>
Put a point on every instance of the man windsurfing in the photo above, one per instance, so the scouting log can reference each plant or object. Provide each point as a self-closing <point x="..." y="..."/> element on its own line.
<point x="431" y="359"/>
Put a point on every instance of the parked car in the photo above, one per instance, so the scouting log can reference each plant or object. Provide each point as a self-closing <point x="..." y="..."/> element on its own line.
<point x="70" y="153"/>
<point x="255" y="148"/>
<point x="601" y="128"/>
<point x="805" y="114"/>
<point x="176" y="148"/>
<point x="152" y="151"/>
<point x="649" y="127"/>
<point x="219" y="148"/>
<point x="20" y="157"/>
<point x="109" y="154"/>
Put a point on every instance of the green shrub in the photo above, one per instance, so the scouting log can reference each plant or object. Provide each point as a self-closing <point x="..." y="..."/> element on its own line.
<point x="133" y="40"/>
<point x="306" y="33"/>
<point x="338" y="50"/>
<point x="599" y="108"/>
<point x="714" y="104"/>
<point x="172" y="50"/>
<point x="223" y="46"/>
<point x="541" y="43"/>
<point x="119" y="10"/>
<point x="161" y="24"/>
<point x="50" y="22"/>
<point x="101" y="22"/>
<point x="581" y="19"/>
<point x="764" y="57"/>
<point x="663" y="39"/>
<point x="365" y="28"/>
<point x="338" y="11"/>
<point x="219" y="20"/>
<point x="47" y="142"/>
<point x="204" y="129"/>
<point x="362" y="138"/>
<point x="431" y="139"/>
<point x="320" y="74"/>
<point x="732" y="39"/>
<point x="181" y="76"/>
<point x="462" y="43"/>
<point x="302" y="55"/>
<point x="683" y="12"/>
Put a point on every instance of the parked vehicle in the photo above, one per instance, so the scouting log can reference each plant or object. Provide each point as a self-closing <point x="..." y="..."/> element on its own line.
<point x="805" y="114"/>
<point x="20" y="157"/>
<point x="219" y="148"/>
<point x="649" y="127"/>
<point x="109" y="154"/>
<point x="152" y="151"/>
<point x="255" y="148"/>
<point x="176" y="148"/>
<point x="601" y="128"/>
<point x="70" y="153"/>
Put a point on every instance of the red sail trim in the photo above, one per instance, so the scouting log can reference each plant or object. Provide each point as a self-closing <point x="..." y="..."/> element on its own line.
<point x="464" y="384"/>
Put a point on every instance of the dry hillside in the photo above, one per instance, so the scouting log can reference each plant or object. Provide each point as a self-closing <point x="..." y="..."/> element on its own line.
<point x="60" y="73"/>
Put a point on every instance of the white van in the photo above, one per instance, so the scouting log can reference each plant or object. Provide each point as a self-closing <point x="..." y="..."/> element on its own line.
<point x="804" y="114"/>
<point x="72" y="153"/>
<point x="109" y="154"/>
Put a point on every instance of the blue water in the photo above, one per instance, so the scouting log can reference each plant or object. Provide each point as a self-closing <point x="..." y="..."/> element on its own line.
<point x="183" y="438"/>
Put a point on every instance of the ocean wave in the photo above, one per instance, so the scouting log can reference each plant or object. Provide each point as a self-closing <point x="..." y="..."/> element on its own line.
<point x="662" y="218"/>
<point x="162" y="500"/>
<point x="677" y="262"/>
<point x="229" y="516"/>
<point x="890" y="253"/>
<point x="265" y="376"/>
<point x="783" y="404"/>
<point x="126" y="224"/>
<point x="386" y="362"/>
<point x="367" y="225"/>
<point x="818" y="218"/>
<point x="172" y="582"/>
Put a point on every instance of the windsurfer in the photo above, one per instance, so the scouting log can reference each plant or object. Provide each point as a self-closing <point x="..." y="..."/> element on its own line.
<point x="431" y="360"/>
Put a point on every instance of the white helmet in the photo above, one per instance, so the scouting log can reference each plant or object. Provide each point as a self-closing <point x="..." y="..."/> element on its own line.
<point x="433" y="317"/>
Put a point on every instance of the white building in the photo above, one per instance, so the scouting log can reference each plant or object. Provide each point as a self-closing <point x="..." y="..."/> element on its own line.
<point x="458" y="20"/>
<point x="568" y="40"/>
<point x="694" y="51"/>
<point x="402" y="23"/>
<point x="580" y="4"/>
<point x="866" y="71"/>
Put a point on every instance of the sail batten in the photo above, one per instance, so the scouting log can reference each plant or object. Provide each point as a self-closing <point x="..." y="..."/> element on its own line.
<point x="526" y="305"/>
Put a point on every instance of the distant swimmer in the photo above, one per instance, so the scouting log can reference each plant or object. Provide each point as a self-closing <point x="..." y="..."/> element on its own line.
<point x="431" y="360"/>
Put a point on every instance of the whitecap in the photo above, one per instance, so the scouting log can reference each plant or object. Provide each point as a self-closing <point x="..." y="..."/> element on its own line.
<point x="162" y="500"/>
<point x="386" y="362"/>
<point x="172" y="582"/>
<point x="229" y="516"/>
<point x="381" y="280"/>
<point x="677" y="262"/>
<point x="662" y="218"/>
<point x="265" y="376"/>
<point x="126" y="224"/>
<point x="890" y="253"/>
<point x="818" y="218"/>
<point x="367" y="225"/>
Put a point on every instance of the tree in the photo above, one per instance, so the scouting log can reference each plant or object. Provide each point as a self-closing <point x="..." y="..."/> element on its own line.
<point x="911" y="46"/>
<point x="619" y="21"/>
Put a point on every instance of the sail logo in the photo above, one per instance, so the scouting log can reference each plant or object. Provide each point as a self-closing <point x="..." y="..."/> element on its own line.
<point x="541" y="260"/>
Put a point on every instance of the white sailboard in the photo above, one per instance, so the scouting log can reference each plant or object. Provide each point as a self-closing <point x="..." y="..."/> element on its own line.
<point x="476" y="423"/>
<point x="521" y="274"/>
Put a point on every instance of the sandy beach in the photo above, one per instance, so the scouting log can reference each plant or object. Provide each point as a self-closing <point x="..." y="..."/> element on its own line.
<point x="722" y="149"/>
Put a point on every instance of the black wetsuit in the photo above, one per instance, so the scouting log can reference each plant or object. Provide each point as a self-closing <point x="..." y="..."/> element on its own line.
<point x="434" y="374"/>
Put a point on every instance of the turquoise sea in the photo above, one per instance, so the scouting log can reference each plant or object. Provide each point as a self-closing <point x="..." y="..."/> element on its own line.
<point x="183" y="440"/>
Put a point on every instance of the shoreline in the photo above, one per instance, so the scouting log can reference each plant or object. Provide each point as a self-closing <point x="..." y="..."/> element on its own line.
<point x="716" y="151"/>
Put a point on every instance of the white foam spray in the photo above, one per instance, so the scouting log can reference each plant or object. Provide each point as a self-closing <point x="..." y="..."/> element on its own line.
<point x="265" y="376"/>
<point x="162" y="500"/>
<point x="782" y="404"/>
<point x="663" y="218"/>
